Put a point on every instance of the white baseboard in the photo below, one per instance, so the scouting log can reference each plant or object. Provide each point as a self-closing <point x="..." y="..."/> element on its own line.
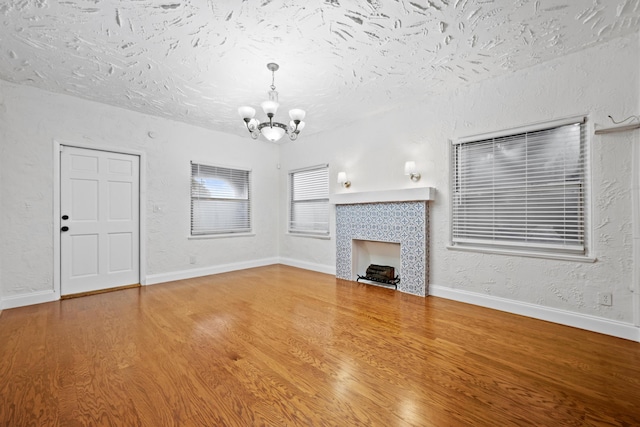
<point x="568" y="318"/>
<point x="154" y="279"/>
<point x="576" y="320"/>
<point x="320" y="268"/>
<point x="39" y="297"/>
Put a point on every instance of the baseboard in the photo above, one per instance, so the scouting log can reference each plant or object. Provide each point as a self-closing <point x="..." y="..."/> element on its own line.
<point x="568" y="318"/>
<point x="320" y="268"/>
<point x="38" y="297"/>
<point x="154" y="279"/>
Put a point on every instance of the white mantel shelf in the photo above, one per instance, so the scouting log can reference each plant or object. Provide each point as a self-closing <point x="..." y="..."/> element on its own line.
<point x="404" y="195"/>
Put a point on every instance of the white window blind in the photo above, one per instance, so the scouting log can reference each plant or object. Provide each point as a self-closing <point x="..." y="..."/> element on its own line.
<point x="524" y="191"/>
<point x="309" y="198"/>
<point x="220" y="200"/>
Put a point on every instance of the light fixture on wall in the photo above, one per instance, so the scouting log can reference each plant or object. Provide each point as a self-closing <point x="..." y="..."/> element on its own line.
<point x="342" y="180"/>
<point x="410" y="169"/>
<point x="272" y="130"/>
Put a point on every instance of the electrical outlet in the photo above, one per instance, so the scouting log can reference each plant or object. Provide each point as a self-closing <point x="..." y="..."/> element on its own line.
<point x="193" y="260"/>
<point x="604" y="298"/>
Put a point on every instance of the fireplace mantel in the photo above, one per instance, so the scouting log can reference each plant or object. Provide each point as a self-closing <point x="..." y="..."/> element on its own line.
<point x="387" y="196"/>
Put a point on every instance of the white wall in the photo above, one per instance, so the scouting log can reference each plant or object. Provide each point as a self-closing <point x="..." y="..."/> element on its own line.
<point x="3" y="144"/>
<point x="31" y="120"/>
<point x="599" y="81"/>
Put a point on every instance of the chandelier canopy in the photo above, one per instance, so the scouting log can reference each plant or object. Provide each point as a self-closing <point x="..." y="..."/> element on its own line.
<point x="272" y="130"/>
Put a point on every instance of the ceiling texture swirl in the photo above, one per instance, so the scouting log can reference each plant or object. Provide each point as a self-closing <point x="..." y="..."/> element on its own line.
<point x="196" y="61"/>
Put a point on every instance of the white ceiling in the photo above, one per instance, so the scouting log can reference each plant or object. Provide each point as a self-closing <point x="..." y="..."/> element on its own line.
<point x="196" y="61"/>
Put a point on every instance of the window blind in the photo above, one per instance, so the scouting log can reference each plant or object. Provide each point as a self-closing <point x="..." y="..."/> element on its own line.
<point x="309" y="198"/>
<point x="220" y="200"/>
<point x="525" y="190"/>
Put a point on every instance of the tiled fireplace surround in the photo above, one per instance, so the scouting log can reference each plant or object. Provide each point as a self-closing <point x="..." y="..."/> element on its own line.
<point x="392" y="216"/>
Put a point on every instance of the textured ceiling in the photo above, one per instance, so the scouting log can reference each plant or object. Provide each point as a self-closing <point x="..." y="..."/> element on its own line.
<point x="196" y="61"/>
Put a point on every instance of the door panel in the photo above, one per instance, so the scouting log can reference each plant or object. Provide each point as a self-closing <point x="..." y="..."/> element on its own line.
<point x="85" y="197"/>
<point x="120" y="167"/>
<point x="120" y="248"/>
<point x="81" y="163"/>
<point x="99" y="191"/>
<point x="84" y="255"/>
<point x="120" y="199"/>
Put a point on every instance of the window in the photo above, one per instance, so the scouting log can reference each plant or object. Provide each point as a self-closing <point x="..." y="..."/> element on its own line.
<point x="524" y="190"/>
<point x="309" y="198"/>
<point x="220" y="200"/>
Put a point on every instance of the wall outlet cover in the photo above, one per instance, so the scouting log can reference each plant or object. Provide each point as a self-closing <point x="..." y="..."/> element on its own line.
<point x="605" y="298"/>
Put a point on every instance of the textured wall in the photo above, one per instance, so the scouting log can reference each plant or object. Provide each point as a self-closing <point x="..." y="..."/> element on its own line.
<point x="31" y="119"/>
<point x="598" y="81"/>
<point x="3" y="145"/>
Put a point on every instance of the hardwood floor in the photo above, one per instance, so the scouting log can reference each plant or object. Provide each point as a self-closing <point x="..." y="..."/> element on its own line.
<point x="280" y="346"/>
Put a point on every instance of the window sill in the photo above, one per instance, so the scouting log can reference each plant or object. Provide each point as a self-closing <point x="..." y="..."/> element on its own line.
<point x="313" y="236"/>
<point x="220" y="236"/>
<point x="543" y="255"/>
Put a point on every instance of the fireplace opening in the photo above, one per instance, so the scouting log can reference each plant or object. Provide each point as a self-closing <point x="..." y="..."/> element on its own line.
<point x="376" y="262"/>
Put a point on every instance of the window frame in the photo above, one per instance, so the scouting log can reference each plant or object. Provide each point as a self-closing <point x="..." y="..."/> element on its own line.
<point x="322" y="234"/>
<point x="227" y="232"/>
<point x="529" y="250"/>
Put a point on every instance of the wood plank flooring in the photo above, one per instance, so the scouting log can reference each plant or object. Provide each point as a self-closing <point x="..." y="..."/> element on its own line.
<point x="280" y="346"/>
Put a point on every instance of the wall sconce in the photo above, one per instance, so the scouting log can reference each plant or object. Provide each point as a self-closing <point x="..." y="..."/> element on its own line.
<point x="342" y="180"/>
<point x="410" y="169"/>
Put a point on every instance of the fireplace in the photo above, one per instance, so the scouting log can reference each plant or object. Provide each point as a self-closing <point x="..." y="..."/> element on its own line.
<point x="399" y="217"/>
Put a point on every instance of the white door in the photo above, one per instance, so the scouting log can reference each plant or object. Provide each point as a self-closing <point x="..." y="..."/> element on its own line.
<point x="100" y="220"/>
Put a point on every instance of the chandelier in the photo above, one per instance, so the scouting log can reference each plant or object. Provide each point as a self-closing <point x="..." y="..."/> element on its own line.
<point x="272" y="130"/>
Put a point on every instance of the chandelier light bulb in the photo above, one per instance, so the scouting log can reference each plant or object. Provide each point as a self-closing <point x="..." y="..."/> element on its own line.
<point x="246" y="113"/>
<point x="269" y="107"/>
<point x="297" y="114"/>
<point x="273" y="134"/>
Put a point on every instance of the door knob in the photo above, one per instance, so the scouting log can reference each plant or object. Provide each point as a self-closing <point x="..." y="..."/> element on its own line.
<point x="65" y="216"/>
<point x="65" y="228"/>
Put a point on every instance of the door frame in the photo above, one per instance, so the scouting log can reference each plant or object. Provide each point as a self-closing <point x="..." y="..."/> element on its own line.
<point x="635" y="221"/>
<point x="58" y="146"/>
